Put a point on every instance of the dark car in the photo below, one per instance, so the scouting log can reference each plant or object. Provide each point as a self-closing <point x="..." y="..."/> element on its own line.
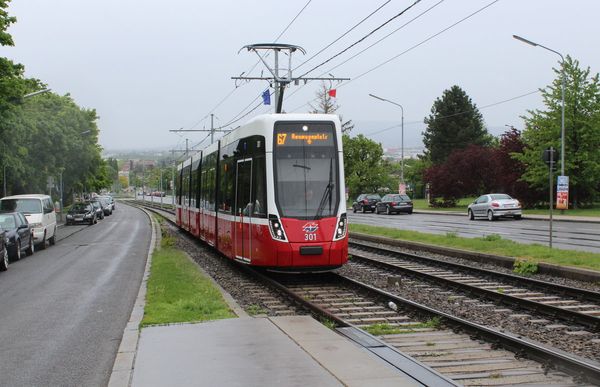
<point x="19" y="234"/>
<point x="395" y="203"/>
<point x="365" y="202"/>
<point x="98" y="207"/>
<point x="82" y="213"/>
<point x="3" y="251"/>
<point x="106" y="205"/>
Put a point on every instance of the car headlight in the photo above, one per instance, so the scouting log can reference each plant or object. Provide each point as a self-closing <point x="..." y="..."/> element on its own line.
<point x="69" y="216"/>
<point x="37" y="225"/>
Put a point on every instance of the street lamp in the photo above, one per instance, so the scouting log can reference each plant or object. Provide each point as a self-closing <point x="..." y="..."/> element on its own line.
<point x="562" y="123"/>
<point x="402" y="135"/>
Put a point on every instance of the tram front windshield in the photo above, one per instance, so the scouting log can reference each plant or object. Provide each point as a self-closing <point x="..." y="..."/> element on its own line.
<point x="306" y="170"/>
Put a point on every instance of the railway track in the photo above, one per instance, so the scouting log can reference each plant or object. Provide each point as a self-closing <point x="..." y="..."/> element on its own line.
<point x="578" y="307"/>
<point x="464" y="352"/>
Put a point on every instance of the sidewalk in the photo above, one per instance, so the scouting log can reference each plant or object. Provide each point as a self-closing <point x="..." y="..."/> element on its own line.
<point x="555" y="216"/>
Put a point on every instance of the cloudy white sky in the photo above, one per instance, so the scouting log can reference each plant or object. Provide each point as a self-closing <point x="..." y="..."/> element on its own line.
<point x="151" y="66"/>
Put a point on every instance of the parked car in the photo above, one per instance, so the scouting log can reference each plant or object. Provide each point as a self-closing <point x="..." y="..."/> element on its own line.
<point x="19" y="234"/>
<point x="111" y="200"/>
<point x="40" y="213"/>
<point x="106" y="205"/>
<point x="494" y="206"/>
<point x="3" y="251"/>
<point x="82" y="213"/>
<point x="365" y="202"/>
<point x="98" y="207"/>
<point x="394" y="203"/>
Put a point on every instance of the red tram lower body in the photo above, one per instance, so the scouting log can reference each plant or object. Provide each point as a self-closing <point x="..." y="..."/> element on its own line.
<point x="250" y="240"/>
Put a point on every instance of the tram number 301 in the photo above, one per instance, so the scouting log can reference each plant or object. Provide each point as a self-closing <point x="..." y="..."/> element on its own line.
<point x="310" y="237"/>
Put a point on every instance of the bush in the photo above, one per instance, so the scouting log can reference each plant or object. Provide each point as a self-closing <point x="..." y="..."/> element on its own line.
<point x="525" y="267"/>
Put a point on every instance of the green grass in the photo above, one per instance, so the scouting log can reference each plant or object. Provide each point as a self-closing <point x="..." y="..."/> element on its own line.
<point x="490" y="245"/>
<point x="178" y="292"/>
<point x="387" y="329"/>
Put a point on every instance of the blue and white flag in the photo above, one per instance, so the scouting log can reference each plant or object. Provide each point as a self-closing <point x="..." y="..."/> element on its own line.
<point x="266" y="95"/>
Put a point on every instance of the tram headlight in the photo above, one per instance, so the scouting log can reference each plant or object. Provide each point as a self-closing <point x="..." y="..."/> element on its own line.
<point x="276" y="229"/>
<point x="342" y="228"/>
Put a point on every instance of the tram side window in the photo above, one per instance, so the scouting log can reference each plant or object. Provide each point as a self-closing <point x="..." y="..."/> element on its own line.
<point x="185" y="191"/>
<point x="203" y="185"/>
<point x="226" y="184"/>
<point x="178" y="186"/>
<point x="194" y="183"/>
<point x="259" y="188"/>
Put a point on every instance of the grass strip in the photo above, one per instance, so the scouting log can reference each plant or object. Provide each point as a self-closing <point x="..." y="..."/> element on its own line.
<point x="179" y="292"/>
<point x="490" y="244"/>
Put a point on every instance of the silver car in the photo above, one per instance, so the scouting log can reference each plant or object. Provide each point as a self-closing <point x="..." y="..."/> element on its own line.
<point x="493" y="206"/>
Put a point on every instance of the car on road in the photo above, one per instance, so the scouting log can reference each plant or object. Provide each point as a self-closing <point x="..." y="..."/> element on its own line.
<point x="40" y="213"/>
<point x="394" y="203"/>
<point x="494" y="206"/>
<point x="19" y="234"/>
<point x="111" y="200"/>
<point x="106" y="205"/>
<point x="98" y="207"/>
<point x="365" y="202"/>
<point x="81" y="213"/>
<point x="3" y="251"/>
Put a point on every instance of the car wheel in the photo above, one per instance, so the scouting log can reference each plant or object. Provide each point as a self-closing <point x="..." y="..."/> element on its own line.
<point x="354" y="209"/>
<point x="387" y="211"/>
<point x="4" y="260"/>
<point x="410" y="212"/>
<point x="490" y="215"/>
<point x="52" y="239"/>
<point x="43" y="242"/>
<point x="31" y="248"/>
<point x="471" y="216"/>
<point x="518" y="217"/>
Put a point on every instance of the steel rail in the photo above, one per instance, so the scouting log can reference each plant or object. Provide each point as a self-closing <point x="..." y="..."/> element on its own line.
<point x="570" y="316"/>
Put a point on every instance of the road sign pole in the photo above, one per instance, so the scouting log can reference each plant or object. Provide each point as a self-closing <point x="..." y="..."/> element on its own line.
<point x="550" y="190"/>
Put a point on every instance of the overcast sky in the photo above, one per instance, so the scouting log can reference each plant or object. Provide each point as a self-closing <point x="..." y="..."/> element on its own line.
<point x="151" y="66"/>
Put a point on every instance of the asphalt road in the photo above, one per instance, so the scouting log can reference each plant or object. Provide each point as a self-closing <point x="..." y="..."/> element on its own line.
<point x="63" y="310"/>
<point x="565" y="235"/>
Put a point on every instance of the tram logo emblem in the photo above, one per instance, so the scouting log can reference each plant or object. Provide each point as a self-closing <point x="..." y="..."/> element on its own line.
<point x="310" y="227"/>
<point x="281" y="138"/>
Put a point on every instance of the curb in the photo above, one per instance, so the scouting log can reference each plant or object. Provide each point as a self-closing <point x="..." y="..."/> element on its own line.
<point x="122" y="371"/>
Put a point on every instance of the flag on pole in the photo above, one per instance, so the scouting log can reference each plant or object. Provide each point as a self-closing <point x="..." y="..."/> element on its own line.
<point x="332" y="93"/>
<point x="266" y="96"/>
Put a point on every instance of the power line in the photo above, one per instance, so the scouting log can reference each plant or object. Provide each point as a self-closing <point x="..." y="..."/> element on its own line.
<point x="374" y="44"/>
<point x="458" y="113"/>
<point x="422" y="42"/>
<point x="249" y="71"/>
<point x="363" y="38"/>
<point x="409" y="49"/>
<point x="344" y="34"/>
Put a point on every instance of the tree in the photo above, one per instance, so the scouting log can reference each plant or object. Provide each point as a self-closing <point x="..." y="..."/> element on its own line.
<point x="363" y="165"/>
<point x="327" y="105"/>
<point x="454" y="123"/>
<point x="468" y="171"/>
<point x="582" y="133"/>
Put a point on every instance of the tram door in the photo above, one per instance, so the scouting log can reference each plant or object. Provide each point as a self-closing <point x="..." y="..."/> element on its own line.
<point x="243" y="209"/>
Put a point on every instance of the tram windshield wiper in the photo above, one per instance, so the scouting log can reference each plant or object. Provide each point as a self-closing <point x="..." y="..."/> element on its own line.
<point x="301" y="166"/>
<point x="327" y="193"/>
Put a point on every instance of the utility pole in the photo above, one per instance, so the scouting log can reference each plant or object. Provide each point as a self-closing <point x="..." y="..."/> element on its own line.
<point x="212" y="128"/>
<point x="281" y="76"/>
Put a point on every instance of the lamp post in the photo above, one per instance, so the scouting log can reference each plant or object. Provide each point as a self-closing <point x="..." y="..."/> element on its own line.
<point x="402" y="134"/>
<point x="562" y="123"/>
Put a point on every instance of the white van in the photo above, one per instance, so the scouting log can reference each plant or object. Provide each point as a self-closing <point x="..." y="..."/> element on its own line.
<point x="39" y="211"/>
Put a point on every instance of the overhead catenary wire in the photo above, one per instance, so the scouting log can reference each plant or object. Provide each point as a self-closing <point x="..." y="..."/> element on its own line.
<point x="408" y="49"/>
<point x="363" y="38"/>
<point x="371" y="46"/>
<point x="251" y="69"/>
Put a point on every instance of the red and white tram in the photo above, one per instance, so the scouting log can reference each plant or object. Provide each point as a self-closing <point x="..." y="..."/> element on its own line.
<point x="270" y="193"/>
